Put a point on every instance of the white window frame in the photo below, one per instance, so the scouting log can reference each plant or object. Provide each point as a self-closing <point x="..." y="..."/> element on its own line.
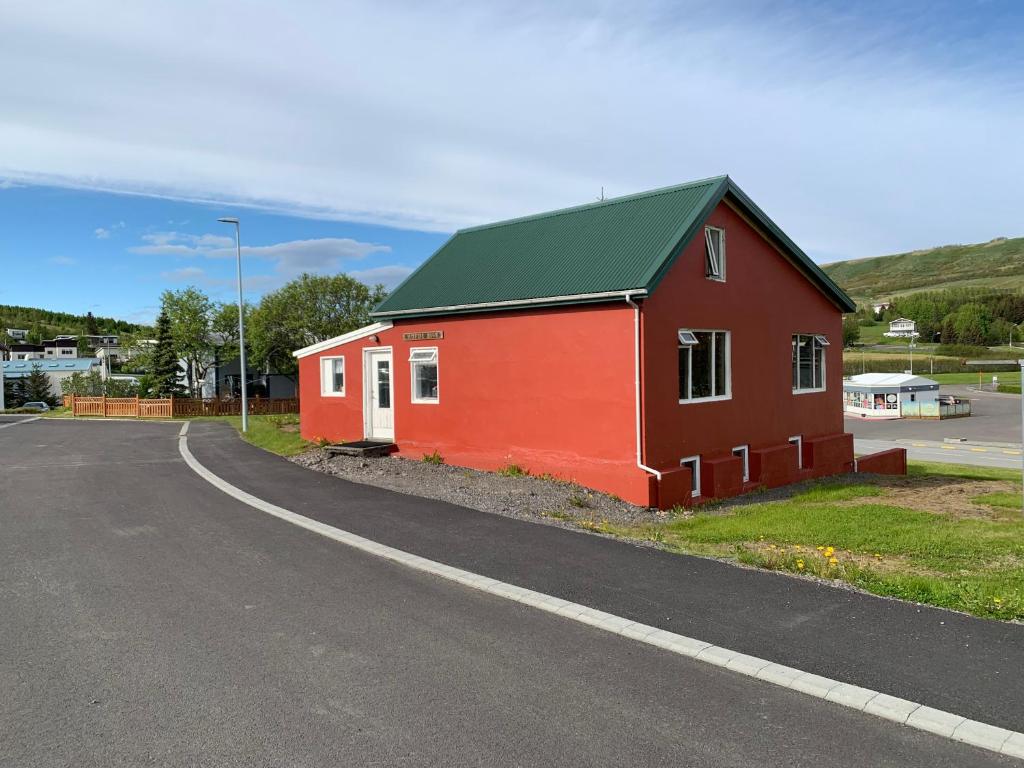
<point x="822" y="341"/>
<point x="694" y="474"/>
<point x="689" y="345"/>
<point x="709" y="260"/>
<point x="327" y="376"/>
<point x="424" y="356"/>
<point x="743" y="451"/>
<point x="798" y="441"/>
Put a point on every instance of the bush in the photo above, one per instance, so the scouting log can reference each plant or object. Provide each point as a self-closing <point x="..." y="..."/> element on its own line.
<point x="967" y="351"/>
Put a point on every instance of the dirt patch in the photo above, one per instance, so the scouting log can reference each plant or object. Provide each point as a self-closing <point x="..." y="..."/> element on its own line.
<point x="945" y="496"/>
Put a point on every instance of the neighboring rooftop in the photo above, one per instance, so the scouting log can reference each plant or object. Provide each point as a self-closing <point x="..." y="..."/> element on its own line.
<point x="881" y="380"/>
<point x="15" y="368"/>
<point x="592" y="252"/>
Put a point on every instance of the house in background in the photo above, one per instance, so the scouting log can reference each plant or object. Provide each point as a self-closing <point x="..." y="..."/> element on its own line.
<point x="55" y="370"/>
<point x="902" y="328"/>
<point x="25" y="351"/>
<point x="668" y="347"/>
<point x="61" y="348"/>
<point x="222" y="381"/>
<point x="891" y="396"/>
<point x="17" y="334"/>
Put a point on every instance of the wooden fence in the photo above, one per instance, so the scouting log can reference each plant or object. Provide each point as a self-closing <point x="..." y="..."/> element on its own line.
<point x="140" y="408"/>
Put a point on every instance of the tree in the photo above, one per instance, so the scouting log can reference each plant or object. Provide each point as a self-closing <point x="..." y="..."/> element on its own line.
<point x="970" y="324"/>
<point x="309" y="309"/>
<point x="165" y="368"/>
<point x="83" y="384"/>
<point x="91" y="327"/>
<point x="190" y="313"/>
<point x="851" y="330"/>
<point x="37" y="387"/>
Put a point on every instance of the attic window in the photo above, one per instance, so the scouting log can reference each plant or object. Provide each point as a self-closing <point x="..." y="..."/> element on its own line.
<point x="714" y="253"/>
<point x="822" y="341"/>
<point x="423" y="355"/>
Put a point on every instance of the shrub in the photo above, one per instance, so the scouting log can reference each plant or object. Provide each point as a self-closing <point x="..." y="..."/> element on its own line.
<point x="433" y="458"/>
<point x="513" y="470"/>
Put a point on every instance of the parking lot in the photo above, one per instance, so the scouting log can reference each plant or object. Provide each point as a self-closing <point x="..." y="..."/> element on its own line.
<point x="995" y="419"/>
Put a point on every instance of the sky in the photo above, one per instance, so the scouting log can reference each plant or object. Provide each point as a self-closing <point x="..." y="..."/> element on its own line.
<point x="356" y="136"/>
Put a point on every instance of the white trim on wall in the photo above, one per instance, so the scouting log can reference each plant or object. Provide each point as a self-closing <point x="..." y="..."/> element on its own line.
<point x="345" y="338"/>
<point x="424" y="359"/>
<point x="743" y="451"/>
<point x="695" y="477"/>
<point x="327" y="377"/>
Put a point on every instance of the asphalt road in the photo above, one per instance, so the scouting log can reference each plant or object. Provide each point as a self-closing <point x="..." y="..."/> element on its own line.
<point x="958" y="453"/>
<point x="148" y="619"/>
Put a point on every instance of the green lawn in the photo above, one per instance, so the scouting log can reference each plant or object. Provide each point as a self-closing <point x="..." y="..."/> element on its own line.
<point x="1005" y="377"/>
<point x="880" y="535"/>
<point x="277" y="434"/>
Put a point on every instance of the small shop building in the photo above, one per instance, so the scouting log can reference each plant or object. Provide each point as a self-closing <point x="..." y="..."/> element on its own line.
<point x="891" y="396"/>
<point x="667" y="347"/>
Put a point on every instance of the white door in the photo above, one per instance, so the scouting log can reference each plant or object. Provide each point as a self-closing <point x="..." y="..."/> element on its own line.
<point x="378" y="401"/>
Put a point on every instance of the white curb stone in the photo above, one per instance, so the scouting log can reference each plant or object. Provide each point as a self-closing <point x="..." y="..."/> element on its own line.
<point x="871" y="702"/>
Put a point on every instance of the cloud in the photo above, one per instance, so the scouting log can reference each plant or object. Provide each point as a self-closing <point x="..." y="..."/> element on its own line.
<point x="104" y="233"/>
<point x="8" y="184"/>
<point x="63" y="261"/>
<point x="325" y="254"/>
<point x="185" y="274"/>
<point x="390" y="275"/>
<point x="857" y="126"/>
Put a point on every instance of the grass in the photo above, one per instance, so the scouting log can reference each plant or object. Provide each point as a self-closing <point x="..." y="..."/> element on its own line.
<point x="433" y="458"/>
<point x="866" y="534"/>
<point x="1011" y="378"/>
<point x="513" y="470"/>
<point x="278" y="433"/>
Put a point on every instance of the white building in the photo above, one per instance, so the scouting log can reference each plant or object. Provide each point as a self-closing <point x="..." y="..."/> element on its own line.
<point x="891" y="396"/>
<point x="902" y="328"/>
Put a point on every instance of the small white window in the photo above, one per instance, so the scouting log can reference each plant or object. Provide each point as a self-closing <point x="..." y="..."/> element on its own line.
<point x="423" y="368"/>
<point x="798" y="441"/>
<point x="704" y="366"/>
<point x="743" y="451"/>
<point x="687" y="339"/>
<point x="714" y="253"/>
<point x="332" y="376"/>
<point x="693" y="462"/>
<point x="809" y="362"/>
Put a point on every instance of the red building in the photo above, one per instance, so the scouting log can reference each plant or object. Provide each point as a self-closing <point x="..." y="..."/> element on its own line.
<point x="666" y="347"/>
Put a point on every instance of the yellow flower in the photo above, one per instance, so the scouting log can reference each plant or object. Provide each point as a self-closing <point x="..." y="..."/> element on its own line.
<point x="800" y="564"/>
<point x="832" y="561"/>
<point x="820" y="549"/>
<point x="829" y="551"/>
<point x="877" y="556"/>
<point x="997" y="600"/>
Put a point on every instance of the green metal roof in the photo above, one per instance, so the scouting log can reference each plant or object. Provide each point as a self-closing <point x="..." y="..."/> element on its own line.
<point x="588" y="253"/>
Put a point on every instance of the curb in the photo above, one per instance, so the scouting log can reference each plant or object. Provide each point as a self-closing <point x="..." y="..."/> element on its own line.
<point x="909" y="713"/>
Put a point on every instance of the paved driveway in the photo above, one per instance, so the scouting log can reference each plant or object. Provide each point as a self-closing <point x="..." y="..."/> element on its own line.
<point x="148" y="619"/>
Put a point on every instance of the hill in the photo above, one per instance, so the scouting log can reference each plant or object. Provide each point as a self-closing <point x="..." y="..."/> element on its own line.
<point x="45" y="324"/>
<point x="998" y="263"/>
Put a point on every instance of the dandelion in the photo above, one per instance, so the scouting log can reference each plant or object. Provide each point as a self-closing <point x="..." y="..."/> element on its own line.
<point x="800" y="565"/>
<point x="829" y="551"/>
<point x="877" y="556"/>
<point x="997" y="600"/>
<point x="832" y="561"/>
<point x="820" y="549"/>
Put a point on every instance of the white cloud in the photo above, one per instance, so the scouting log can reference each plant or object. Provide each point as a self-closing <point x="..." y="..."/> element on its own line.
<point x="104" y="233"/>
<point x="857" y="132"/>
<point x="185" y="274"/>
<point x="390" y="275"/>
<point x="8" y="184"/>
<point x="63" y="261"/>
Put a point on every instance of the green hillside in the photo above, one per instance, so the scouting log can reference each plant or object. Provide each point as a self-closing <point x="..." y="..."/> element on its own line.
<point x="998" y="263"/>
<point x="45" y="324"/>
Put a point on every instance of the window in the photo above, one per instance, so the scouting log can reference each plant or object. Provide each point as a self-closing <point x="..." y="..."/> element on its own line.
<point x="423" y="363"/>
<point x="703" y="366"/>
<point x="809" y="362"/>
<point x="714" y="253"/>
<point x="332" y="376"/>
<point x="693" y="462"/>
<point x="798" y="441"/>
<point x="743" y="451"/>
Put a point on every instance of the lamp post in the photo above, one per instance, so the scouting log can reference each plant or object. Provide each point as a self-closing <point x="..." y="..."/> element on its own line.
<point x="241" y="321"/>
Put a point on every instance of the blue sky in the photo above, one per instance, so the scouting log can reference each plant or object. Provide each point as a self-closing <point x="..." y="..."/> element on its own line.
<point x="354" y="136"/>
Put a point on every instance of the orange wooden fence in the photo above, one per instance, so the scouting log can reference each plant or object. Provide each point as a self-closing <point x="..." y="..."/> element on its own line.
<point x="145" y="408"/>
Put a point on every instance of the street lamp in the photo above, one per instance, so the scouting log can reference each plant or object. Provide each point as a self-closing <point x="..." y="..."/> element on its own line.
<point x="241" y="321"/>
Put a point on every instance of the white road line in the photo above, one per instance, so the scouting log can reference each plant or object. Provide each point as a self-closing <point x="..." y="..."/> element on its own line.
<point x="881" y="705"/>
<point x="22" y="421"/>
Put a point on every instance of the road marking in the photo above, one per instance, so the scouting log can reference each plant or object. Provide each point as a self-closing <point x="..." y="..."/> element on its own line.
<point x="980" y="450"/>
<point x="22" y="421"/>
<point x="948" y="447"/>
<point x="920" y="445"/>
<point x="882" y="705"/>
<point x="1012" y="453"/>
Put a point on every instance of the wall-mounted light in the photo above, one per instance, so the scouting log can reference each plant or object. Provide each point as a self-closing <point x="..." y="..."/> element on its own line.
<point x="375" y="339"/>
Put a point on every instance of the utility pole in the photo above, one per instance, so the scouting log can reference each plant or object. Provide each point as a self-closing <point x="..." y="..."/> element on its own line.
<point x="1021" y="361"/>
<point x="241" y="322"/>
